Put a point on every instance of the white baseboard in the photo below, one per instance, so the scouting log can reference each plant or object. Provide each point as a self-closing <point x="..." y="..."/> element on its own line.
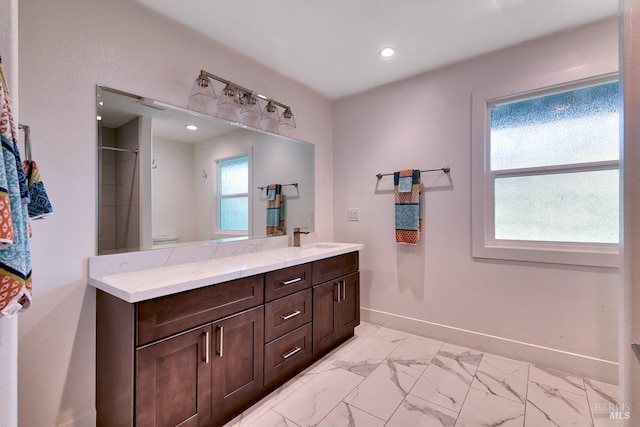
<point x="578" y="364"/>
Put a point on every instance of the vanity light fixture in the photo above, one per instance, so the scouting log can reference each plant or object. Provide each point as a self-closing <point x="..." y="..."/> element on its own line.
<point x="202" y="96"/>
<point x="236" y="99"/>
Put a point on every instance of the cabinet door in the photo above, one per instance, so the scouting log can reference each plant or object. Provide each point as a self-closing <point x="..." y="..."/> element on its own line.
<point x="174" y="381"/>
<point x="349" y="304"/>
<point x="237" y="362"/>
<point x="325" y="316"/>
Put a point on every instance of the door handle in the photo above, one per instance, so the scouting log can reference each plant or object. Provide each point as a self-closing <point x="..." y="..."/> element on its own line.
<point x="291" y="353"/>
<point x="221" y="341"/>
<point x="344" y="290"/>
<point x="338" y="284"/>
<point x="207" y="347"/>
<point x="291" y="315"/>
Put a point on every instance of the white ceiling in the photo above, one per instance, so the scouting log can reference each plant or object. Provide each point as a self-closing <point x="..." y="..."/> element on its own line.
<point x="332" y="45"/>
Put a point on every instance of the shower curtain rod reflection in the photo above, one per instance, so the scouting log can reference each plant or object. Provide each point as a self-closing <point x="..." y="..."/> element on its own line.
<point x="445" y="169"/>
<point x="295" y="184"/>
<point x="135" y="150"/>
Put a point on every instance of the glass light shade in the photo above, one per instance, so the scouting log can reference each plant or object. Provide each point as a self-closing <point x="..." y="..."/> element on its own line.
<point x="270" y="118"/>
<point x="250" y="105"/>
<point x="288" y="119"/>
<point x="230" y="97"/>
<point x="202" y="97"/>
<point x="229" y="104"/>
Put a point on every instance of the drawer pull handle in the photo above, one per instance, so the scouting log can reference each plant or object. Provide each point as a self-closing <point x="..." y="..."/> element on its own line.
<point x="207" y="347"/>
<point x="291" y="353"/>
<point x="221" y="341"/>
<point x="290" y="282"/>
<point x="291" y="315"/>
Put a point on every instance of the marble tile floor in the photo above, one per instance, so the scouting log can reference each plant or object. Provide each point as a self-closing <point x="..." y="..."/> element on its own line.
<point x="383" y="377"/>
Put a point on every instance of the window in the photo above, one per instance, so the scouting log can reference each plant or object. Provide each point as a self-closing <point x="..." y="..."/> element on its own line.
<point x="550" y="177"/>
<point x="233" y="195"/>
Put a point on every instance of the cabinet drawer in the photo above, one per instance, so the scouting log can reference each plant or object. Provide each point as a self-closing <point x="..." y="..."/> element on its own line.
<point x="168" y="315"/>
<point x="286" y="281"/>
<point x="286" y="314"/>
<point x="334" y="267"/>
<point x="287" y="354"/>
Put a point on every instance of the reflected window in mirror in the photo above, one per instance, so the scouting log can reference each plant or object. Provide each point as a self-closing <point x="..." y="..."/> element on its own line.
<point x="233" y="196"/>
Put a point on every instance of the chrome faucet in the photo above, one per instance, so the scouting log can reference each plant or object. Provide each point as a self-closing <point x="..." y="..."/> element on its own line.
<point x="296" y="236"/>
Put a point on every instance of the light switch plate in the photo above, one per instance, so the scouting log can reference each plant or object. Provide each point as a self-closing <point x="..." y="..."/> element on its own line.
<point x="354" y="214"/>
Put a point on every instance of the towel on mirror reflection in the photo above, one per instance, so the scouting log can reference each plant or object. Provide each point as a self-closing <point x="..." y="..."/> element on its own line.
<point x="275" y="210"/>
<point x="39" y="204"/>
<point x="407" y="206"/>
<point x="15" y="255"/>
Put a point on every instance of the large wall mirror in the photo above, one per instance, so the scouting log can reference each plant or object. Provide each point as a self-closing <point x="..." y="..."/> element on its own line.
<point x="169" y="176"/>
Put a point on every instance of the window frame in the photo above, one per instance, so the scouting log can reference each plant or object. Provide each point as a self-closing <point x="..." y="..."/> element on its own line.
<point x="484" y="244"/>
<point x="218" y="230"/>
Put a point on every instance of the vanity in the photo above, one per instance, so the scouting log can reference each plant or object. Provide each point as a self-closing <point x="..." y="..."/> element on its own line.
<point x="196" y="343"/>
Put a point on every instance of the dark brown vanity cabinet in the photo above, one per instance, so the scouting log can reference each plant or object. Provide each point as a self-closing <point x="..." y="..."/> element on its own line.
<point x="200" y="357"/>
<point x="173" y="382"/>
<point x="336" y="300"/>
<point x="236" y="363"/>
<point x="175" y="377"/>
<point x="288" y="314"/>
<point x="189" y="359"/>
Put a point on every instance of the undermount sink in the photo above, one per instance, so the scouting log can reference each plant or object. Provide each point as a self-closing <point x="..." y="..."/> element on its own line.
<point x="317" y="246"/>
<point x="324" y="246"/>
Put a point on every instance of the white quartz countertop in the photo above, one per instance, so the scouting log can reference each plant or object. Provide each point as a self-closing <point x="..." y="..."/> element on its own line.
<point x="141" y="285"/>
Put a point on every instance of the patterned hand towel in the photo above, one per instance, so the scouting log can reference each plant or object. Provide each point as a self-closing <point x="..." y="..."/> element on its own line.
<point x="275" y="210"/>
<point x="15" y="255"/>
<point x="407" y="208"/>
<point x="39" y="204"/>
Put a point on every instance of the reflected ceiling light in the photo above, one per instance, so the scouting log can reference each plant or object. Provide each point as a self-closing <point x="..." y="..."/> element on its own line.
<point x="191" y="127"/>
<point x="233" y="99"/>
<point x="387" y="52"/>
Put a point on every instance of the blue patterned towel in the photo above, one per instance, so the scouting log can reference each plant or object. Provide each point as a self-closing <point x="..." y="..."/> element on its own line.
<point x="407" y="206"/>
<point x="39" y="204"/>
<point x="15" y="254"/>
<point x="275" y="210"/>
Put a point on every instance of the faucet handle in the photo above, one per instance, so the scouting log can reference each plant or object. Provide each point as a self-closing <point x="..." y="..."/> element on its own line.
<point x="297" y="230"/>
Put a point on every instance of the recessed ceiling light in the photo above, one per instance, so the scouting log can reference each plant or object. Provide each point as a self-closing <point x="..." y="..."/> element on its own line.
<point x="192" y="127"/>
<point x="387" y="52"/>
